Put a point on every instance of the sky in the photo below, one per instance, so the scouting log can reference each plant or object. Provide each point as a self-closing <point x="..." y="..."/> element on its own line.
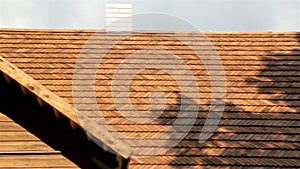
<point x="206" y="15"/>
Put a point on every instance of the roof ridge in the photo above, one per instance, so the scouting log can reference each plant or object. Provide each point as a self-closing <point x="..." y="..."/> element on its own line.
<point x="145" y="31"/>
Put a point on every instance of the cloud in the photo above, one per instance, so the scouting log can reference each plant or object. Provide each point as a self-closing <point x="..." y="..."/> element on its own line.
<point x="218" y="15"/>
<point x="51" y="13"/>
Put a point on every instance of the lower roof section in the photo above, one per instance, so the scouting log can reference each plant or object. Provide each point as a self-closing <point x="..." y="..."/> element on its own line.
<point x="33" y="138"/>
<point x="20" y="148"/>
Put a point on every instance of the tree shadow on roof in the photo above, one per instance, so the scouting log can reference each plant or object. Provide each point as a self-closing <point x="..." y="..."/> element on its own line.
<point x="282" y="71"/>
<point x="251" y="138"/>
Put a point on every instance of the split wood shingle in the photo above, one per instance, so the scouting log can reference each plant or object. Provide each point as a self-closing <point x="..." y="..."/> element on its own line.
<point x="260" y="126"/>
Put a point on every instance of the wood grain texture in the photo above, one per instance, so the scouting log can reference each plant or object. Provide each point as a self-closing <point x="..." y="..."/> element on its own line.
<point x="21" y="149"/>
<point x="261" y="121"/>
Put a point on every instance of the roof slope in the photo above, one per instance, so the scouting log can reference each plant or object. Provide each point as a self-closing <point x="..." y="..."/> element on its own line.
<point x="260" y="126"/>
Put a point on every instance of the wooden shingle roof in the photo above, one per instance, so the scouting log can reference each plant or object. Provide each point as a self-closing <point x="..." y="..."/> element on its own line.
<point x="260" y="126"/>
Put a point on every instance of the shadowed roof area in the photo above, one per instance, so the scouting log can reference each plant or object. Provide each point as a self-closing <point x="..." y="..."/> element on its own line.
<point x="33" y="138"/>
<point x="260" y="126"/>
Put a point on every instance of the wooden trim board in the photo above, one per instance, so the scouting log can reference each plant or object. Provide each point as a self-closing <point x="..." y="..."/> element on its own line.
<point x="65" y="108"/>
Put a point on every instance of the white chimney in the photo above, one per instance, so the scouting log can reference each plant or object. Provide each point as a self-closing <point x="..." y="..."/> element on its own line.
<point x="118" y="17"/>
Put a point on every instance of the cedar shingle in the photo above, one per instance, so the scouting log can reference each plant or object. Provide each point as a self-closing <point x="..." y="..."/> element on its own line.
<point x="260" y="125"/>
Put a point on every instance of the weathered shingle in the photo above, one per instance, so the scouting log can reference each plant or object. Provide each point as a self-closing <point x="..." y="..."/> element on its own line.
<point x="261" y="122"/>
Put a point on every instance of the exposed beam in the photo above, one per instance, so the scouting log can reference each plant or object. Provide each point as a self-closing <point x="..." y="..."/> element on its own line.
<point x="98" y="134"/>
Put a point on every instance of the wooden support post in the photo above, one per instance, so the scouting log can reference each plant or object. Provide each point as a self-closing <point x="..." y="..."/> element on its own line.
<point x="123" y="162"/>
<point x="100" y="164"/>
<point x="57" y="114"/>
<point x="41" y="102"/>
<point x="105" y="148"/>
<point x="24" y="90"/>
<point x="74" y="126"/>
<point x="89" y="137"/>
<point x="8" y="79"/>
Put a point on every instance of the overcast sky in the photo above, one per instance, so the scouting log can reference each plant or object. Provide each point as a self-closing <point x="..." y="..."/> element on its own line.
<point x="209" y="15"/>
